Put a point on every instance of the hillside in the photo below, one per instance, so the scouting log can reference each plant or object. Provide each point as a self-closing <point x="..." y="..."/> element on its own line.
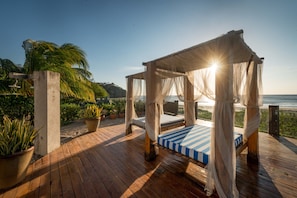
<point x="114" y="90"/>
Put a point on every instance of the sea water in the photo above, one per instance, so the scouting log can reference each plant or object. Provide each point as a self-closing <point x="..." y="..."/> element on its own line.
<point x="283" y="101"/>
<point x="286" y="101"/>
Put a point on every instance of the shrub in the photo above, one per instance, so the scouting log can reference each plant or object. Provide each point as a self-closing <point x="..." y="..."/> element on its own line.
<point x="16" y="106"/>
<point x="204" y="114"/>
<point x="69" y="112"/>
<point x="108" y="108"/>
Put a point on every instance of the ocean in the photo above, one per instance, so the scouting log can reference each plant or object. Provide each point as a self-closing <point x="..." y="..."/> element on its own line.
<point x="283" y="101"/>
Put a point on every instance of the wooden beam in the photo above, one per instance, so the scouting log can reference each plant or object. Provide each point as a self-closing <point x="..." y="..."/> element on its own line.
<point x="150" y="152"/>
<point x="253" y="148"/>
<point x="152" y="112"/>
<point x="189" y="103"/>
<point x="252" y="111"/>
<point x="129" y="105"/>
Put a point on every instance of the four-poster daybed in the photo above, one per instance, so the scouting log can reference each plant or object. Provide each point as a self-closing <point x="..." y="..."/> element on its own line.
<point x="237" y="79"/>
<point x="168" y="120"/>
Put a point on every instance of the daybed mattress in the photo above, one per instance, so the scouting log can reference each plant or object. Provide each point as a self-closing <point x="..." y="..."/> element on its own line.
<point x="192" y="141"/>
<point x="166" y="120"/>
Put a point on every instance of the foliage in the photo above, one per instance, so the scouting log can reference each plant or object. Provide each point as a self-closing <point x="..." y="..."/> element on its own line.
<point x="99" y="91"/>
<point x="287" y="121"/>
<point x="264" y="120"/>
<point x="7" y="66"/>
<point x="16" y="106"/>
<point x="68" y="60"/>
<point x="16" y="135"/>
<point x="120" y="105"/>
<point x="239" y="118"/>
<point x="139" y="106"/>
<point x="92" y="111"/>
<point x="108" y="108"/>
<point x="204" y="114"/>
<point x="69" y="112"/>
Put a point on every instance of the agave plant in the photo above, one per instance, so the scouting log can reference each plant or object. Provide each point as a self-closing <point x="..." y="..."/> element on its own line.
<point x="16" y="135"/>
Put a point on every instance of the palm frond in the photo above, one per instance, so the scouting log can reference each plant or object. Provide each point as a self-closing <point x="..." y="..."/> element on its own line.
<point x="68" y="60"/>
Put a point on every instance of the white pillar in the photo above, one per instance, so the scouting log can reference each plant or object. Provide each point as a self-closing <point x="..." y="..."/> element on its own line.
<point x="47" y="111"/>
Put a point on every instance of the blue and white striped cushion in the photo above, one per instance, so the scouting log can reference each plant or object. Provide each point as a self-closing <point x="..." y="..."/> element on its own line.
<point x="192" y="141"/>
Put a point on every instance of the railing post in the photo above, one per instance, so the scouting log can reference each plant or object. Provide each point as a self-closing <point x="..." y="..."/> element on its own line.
<point x="274" y="120"/>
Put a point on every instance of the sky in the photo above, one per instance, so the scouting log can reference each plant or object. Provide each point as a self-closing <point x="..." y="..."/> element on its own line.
<point x="119" y="35"/>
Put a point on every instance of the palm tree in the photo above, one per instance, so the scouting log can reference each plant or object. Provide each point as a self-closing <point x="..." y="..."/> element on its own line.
<point x="68" y="60"/>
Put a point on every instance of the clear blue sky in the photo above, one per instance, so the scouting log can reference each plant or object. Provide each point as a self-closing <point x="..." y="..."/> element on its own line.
<point x="118" y="36"/>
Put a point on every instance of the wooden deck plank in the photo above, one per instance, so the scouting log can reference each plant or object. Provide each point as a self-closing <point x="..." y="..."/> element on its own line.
<point x="23" y="188"/>
<point x="33" y="190"/>
<point x="106" y="163"/>
<point x="67" y="190"/>
<point x="44" y="187"/>
<point x="86" y="183"/>
<point x="56" y="186"/>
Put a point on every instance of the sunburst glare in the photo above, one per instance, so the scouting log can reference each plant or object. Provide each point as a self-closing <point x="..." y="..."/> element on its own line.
<point x="214" y="67"/>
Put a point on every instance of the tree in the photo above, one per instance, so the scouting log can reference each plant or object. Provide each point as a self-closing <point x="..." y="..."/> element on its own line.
<point x="6" y="66"/>
<point x="6" y="83"/>
<point x="68" y="60"/>
<point x="99" y="91"/>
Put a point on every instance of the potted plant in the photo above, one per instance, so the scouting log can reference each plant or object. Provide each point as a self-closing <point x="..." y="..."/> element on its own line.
<point x="120" y="107"/>
<point x="92" y="117"/>
<point x="16" y="150"/>
<point x="113" y="114"/>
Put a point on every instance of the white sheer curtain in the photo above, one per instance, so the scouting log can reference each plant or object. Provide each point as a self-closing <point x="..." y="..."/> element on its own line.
<point x="138" y="94"/>
<point x="252" y="100"/>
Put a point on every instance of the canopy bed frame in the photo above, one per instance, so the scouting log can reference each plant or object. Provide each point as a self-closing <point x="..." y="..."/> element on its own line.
<point x="168" y="120"/>
<point x="237" y="78"/>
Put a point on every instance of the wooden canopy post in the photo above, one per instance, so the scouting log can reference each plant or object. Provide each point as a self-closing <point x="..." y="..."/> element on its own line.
<point x="152" y="112"/>
<point x="223" y="129"/>
<point x="129" y="104"/>
<point x="252" y="111"/>
<point x="189" y="103"/>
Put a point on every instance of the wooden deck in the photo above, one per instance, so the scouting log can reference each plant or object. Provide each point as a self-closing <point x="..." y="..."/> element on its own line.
<point x="106" y="163"/>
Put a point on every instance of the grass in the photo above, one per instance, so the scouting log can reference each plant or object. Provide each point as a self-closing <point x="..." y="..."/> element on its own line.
<point x="287" y="121"/>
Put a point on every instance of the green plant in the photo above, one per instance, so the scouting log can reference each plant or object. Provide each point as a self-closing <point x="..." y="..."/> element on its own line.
<point x="120" y="105"/>
<point x="16" y="135"/>
<point x="204" y="114"/>
<point x="22" y="105"/>
<point x="108" y="108"/>
<point x="69" y="113"/>
<point x="139" y="106"/>
<point x="92" y="111"/>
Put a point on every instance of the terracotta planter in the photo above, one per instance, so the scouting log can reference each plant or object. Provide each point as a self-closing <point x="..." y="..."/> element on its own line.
<point x="13" y="168"/>
<point x="113" y="116"/>
<point x="121" y="115"/>
<point x="92" y="124"/>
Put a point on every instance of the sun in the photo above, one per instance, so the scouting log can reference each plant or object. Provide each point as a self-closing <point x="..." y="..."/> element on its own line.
<point x="214" y="67"/>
